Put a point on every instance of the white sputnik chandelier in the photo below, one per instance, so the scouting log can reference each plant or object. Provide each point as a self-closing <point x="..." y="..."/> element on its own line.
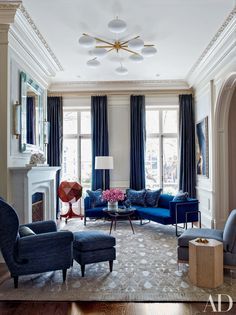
<point x="135" y="47"/>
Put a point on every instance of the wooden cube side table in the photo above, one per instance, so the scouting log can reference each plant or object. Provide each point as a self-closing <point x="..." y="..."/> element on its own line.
<point x="206" y="263"/>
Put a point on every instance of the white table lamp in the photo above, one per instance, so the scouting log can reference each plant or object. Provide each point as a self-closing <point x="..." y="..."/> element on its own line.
<point x="104" y="163"/>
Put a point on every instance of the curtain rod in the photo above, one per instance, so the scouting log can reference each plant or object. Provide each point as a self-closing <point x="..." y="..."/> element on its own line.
<point x="121" y="93"/>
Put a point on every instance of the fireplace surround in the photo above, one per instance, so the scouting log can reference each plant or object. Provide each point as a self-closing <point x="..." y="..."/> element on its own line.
<point x="28" y="180"/>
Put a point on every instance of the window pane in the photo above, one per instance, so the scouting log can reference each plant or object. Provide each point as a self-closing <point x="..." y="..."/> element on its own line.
<point x="70" y="125"/>
<point x="169" y="121"/>
<point x="85" y="122"/>
<point x="152" y="121"/>
<point x="170" y="161"/>
<point x="70" y="161"/>
<point x="152" y="163"/>
<point x="86" y="163"/>
<point x="170" y="189"/>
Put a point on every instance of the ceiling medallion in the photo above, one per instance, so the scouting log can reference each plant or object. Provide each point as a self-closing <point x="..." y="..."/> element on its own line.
<point x="100" y="47"/>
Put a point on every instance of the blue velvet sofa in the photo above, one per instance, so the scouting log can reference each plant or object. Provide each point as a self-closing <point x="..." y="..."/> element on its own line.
<point x="167" y="212"/>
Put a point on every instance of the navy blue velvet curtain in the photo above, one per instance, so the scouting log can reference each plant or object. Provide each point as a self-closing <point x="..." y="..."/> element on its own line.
<point x="100" y="141"/>
<point x="137" y="141"/>
<point x="55" y="118"/>
<point x="187" y="157"/>
<point x="30" y="120"/>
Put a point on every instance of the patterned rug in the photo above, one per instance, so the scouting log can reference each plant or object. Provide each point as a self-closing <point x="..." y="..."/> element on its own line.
<point x="145" y="270"/>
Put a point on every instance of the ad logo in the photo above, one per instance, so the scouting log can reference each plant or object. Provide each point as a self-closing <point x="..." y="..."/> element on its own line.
<point x="212" y="306"/>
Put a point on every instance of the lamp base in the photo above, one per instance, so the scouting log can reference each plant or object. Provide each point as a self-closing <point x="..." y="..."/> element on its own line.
<point x="71" y="214"/>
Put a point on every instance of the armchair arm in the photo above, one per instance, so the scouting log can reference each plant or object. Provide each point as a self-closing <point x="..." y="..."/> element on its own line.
<point x="182" y="208"/>
<point x="43" y="244"/>
<point x="42" y="226"/>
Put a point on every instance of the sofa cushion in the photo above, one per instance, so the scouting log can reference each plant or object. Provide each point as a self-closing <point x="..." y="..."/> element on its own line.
<point x="96" y="212"/>
<point x="136" y="197"/>
<point x="160" y="215"/>
<point x="164" y="201"/>
<point x="191" y="234"/>
<point x="92" y="240"/>
<point x="96" y="198"/>
<point x="152" y="197"/>
<point x="181" y="196"/>
<point x="25" y="231"/>
<point x="229" y="235"/>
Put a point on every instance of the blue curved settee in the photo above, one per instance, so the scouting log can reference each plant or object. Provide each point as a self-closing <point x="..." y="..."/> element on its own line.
<point x="167" y="212"/>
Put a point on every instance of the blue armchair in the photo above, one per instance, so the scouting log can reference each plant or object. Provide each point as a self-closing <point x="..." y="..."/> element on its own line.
<point x="48" y="250"/>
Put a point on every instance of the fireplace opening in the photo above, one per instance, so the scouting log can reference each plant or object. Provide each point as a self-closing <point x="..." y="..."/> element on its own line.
<point x="37" y="207"/>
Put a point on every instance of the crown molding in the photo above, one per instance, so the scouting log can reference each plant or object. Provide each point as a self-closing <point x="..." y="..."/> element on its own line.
<point x="24" y="37"/>
<point x="139" y="85"/>
<point x="217" y="53"/>
<point x="8" y="10"/>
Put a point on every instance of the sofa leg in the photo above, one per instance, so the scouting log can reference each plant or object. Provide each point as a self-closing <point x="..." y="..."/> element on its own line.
<point x="15" y="282"/>
<point x="84" y="220"/>
<point x="111" y="265"/>
<point x="64" y="271"/>
<point x="82" y="270"/>
<point x="141" y="222"/>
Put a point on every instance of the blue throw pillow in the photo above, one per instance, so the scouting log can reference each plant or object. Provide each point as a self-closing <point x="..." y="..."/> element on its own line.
<point x="152" y="197"/>
<point x="96" y="198"/>
<point x="181" y="196"/>
<point x="136" y="197"/>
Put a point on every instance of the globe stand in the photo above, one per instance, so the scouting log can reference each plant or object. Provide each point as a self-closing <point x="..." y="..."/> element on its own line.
<point x="71" y="214"/>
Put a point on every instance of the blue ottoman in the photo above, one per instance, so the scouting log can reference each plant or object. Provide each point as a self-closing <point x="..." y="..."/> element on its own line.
<point x="93" y="246"/>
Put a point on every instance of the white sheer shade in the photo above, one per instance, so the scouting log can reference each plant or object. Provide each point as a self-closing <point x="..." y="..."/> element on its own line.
<point x="104" y="163"/>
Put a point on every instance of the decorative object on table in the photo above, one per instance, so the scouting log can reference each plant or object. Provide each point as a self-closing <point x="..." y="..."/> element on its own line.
<point x="70" y="192"/>
<point x="202" y="148"/>
<point x="206" y="263"/>
<point x="112" y="196"/>
<point x="135" y="47"/>
<point x="202" y="240"/>
<point x="37" y="159"/>
<point x="104" y="163"/>
<point x="16" y="119"/>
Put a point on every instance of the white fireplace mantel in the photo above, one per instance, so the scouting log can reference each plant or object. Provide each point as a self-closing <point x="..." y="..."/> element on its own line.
<point x="27" y="180"/>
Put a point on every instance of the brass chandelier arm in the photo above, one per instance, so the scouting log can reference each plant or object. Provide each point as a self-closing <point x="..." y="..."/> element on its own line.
<point x="130" y="51"/>
<point x="99" y="39"/>
<point x="148" y="45"/>
<point x="98" y="46"/>
<point x="129" y="40"/>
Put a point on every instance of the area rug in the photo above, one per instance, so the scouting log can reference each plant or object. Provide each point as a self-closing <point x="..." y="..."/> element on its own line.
<point x="145" y="270"/>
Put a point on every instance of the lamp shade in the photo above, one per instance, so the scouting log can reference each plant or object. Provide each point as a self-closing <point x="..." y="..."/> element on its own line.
<point x="104" y="163"/>
<point x="94" y="63"/>
<point x="121" y="70"/>
<point x="87" y="41"/>
<point x="136" y="44"/>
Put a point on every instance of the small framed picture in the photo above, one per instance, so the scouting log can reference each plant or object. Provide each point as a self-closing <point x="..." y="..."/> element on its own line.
<point x="202" y="147"/>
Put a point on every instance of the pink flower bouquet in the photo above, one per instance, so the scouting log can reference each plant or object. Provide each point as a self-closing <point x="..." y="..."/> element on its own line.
<point x="113" y="195"/>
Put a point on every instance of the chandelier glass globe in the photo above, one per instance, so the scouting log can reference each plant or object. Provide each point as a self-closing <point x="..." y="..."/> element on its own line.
<point x="136" y="58"/>
<point x="121" y="70"/>
<point x="99" y="52"/>
<point x="94" y="63"/>
<point x="117" y="26"/>
<point x="148" y="51"/>
<point x="136" y="44"/>
<point x="87" y="41"/>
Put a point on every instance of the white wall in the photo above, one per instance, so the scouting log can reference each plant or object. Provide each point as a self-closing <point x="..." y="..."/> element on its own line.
<point x="119" y="126"/>
<point x="210" y="75"/>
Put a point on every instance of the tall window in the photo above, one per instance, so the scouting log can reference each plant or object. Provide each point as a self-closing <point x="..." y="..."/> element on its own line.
<point x="162" y="148"/>
<point x="77" y="155"/>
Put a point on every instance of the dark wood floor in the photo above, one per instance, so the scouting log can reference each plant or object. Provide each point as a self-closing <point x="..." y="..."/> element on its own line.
<point x="100" y="308"/>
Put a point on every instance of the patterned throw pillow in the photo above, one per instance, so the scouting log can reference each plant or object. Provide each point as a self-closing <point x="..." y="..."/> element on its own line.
<point x="136" y="197"/>
<point x="152" y="197"/>
<point x="181" y="196"/>
<point x="25" y="231"/>
<point x="96" y="197"/>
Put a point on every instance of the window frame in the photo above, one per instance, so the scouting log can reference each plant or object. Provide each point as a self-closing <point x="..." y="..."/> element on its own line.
<point x="78" y="136"/>
<point x="160" y="135"/>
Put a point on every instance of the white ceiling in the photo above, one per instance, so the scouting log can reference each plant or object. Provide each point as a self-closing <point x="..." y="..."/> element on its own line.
<point x="180" y="29"/>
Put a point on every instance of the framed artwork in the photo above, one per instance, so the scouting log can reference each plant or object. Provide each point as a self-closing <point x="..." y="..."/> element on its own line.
<point x="202" y="147"/>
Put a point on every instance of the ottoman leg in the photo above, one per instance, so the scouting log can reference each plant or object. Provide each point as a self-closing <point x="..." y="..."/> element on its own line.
<point x="82" y="270"/>
<point x="111" y="265"/>
<point x="64" y="274"/>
